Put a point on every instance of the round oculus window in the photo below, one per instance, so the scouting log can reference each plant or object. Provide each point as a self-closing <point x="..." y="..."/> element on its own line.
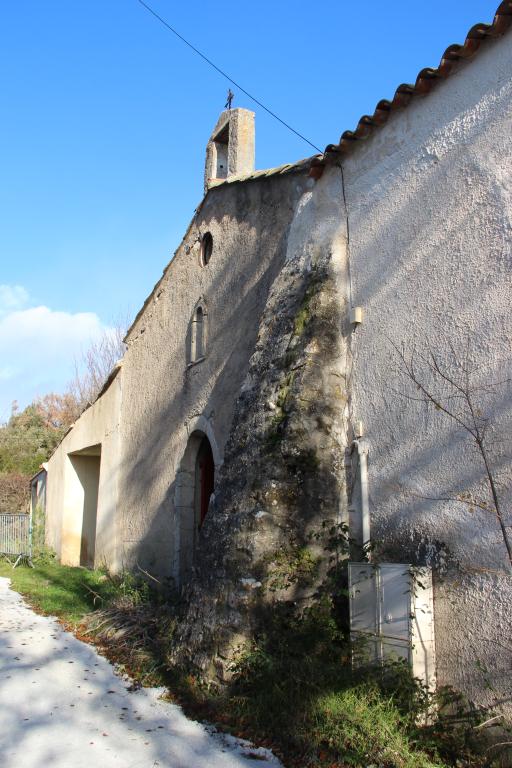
<point x="206" y="248"/>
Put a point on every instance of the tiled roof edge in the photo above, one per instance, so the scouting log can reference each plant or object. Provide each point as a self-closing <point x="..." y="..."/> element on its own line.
<point x="280" y="170"/>
<point x="427" y="77"/>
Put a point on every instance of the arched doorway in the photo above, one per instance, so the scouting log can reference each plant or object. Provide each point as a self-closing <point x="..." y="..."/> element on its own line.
<point x="204" y="480"/>
<point x="194" y="486"/>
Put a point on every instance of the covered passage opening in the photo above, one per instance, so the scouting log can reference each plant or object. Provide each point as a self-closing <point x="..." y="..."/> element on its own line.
<point x="82" y="505"/>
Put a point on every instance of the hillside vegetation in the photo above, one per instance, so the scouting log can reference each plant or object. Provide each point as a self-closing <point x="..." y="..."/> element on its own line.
<point x="26" y="441"/>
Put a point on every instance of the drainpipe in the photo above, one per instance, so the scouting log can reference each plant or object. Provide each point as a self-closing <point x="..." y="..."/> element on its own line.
<point x="362" y="453"/>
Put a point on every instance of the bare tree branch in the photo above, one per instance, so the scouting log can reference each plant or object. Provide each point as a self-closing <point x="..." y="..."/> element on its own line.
<point x="95" y="364"/>
<point x="469" y="502"/>
<point x="428" y="396"/>
<point x="470" y="419"/>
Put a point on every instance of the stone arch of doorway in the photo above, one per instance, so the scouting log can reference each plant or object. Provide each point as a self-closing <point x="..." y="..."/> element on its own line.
<point x="194" y="485"/>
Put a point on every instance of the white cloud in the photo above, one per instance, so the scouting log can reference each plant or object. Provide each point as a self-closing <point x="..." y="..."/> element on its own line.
<point x="38" y="347"/>
<point x="12" y="297"/>
<point x="7" y="372"/>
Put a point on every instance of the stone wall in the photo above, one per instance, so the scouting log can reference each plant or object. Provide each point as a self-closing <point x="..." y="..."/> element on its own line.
<point x="166" y="399"/>
<point x="284" y="464"/>
<point x="231" y="145"/>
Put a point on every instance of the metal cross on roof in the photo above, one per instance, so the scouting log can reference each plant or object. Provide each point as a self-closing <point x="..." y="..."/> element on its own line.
<point x="230" y="98"/>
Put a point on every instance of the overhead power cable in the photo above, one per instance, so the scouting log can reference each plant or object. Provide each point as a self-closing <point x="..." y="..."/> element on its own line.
<point x="221" y="72"/>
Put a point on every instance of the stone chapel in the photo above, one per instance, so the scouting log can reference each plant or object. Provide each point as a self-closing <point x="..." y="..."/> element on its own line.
<point x="263" y="388"/>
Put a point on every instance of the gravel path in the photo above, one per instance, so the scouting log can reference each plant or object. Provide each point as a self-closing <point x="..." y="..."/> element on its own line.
<point x="62" y="706"/>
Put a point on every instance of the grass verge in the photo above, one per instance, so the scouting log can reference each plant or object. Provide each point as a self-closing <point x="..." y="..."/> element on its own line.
<point x="58" y="590"/>
<point x="294" y="690"/>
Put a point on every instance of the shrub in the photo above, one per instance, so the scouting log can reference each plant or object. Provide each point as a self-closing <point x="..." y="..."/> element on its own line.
<point x="296" y="684"/>
<point x="14" y="492"/>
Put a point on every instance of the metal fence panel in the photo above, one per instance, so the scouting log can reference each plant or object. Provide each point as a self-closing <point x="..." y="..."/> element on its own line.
<point x="15" y="535"/>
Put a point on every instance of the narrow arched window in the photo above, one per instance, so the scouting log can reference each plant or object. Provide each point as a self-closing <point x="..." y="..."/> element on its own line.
<point x="197" y="335"/>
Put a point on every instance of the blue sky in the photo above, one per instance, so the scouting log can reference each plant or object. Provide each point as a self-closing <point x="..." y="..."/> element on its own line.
<point x="105" y="118"/>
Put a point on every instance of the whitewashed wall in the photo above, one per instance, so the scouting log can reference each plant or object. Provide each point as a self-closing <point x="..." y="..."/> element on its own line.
<point x="430" y="211"/>
<point x="98" y="425"/>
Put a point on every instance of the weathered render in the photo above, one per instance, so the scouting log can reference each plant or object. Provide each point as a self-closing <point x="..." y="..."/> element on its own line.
<point x="263" y="388"/>
<point x="429" y="202"/>
<point x="166" y="398"/>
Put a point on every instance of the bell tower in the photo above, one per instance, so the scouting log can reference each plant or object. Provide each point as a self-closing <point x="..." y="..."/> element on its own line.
<point x="230" y="150"/>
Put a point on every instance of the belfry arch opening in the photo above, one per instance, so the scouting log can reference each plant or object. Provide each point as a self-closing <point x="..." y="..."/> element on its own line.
<point x="221" y="144"/>
<point x="194" y="486"/>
